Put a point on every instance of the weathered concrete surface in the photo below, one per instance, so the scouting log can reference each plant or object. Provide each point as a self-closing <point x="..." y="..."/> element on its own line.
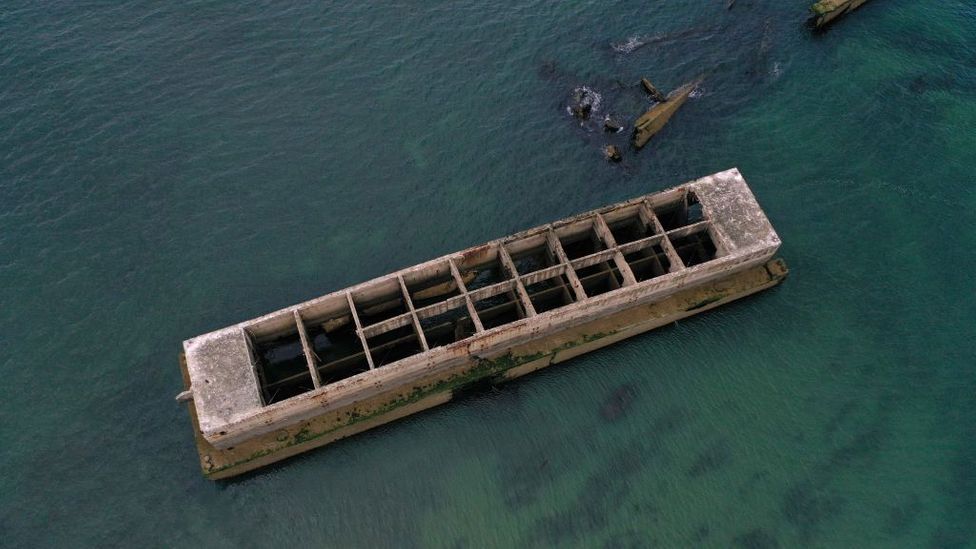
<point x="653" y="120"/>
<point x="826" y="11"/>
<point x="221" y="368"/>
<point x="653" y="91"/>
<point x="439" y="387"/>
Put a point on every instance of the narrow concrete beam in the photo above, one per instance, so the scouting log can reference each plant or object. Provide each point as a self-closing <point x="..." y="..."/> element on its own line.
<point x="557" y="248"/>
<point x="673" y="257"/>
<point x="636" y="245"/>
<point x="359" y="330"/>
<point x="493" y="290"/>
<point x="593" y="259"/>
<point x="463" y="288"/>
<point x="413" y="314"/>
<point x="387" y="325"/>
<point x="523" y="295"/>
<point x="543" y="274"/>
<point x="309" y="354"/>
<point x="689" y="229"/>
<point x="603" y="230"/>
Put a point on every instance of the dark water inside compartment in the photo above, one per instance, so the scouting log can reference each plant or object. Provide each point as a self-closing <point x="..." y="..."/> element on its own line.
<point x="600" y="278"/>
<point x="448" y="327"/>
<point x="380" y="309"/>
<point x="393" y="345"/>
<point x="629" y="230"/>
<point x="695" y="248"/>
<point x="680" y="214"/>
<point x="172" y="168"/>
<point x="648" y="263"/>
<point x="433" y="290"/>
<point x="282" y="368"/>
<point x="582" y="245"/>
<point x="533" y="260"/>
<point x="488" y="274"/>
<point x="339" y="352"/>
<point x="498" y="310"/>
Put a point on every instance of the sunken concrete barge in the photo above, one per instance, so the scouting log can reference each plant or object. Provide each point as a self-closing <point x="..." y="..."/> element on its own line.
<point x="281" y="384"/>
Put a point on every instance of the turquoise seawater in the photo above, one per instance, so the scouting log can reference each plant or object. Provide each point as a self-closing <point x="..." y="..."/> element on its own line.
<point x="167" y="169"/>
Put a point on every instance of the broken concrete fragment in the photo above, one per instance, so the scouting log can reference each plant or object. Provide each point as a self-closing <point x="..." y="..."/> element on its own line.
<point x="653" y="91"/>
<point x="612" y="153"/>
<point x="653" y="120"/>
<point x="826" y="11"/>
<point x="611" y="124"/>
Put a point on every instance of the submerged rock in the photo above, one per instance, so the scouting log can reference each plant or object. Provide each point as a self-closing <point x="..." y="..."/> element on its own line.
<point x="826" y="11"/>
<point x="582" y="111"/>
<point x="612" y="153"/>
<point x="611" y="124"/>
<point x="653" y="91"/>
<point x="653" y="120"/>
<point x="583" y="102"/>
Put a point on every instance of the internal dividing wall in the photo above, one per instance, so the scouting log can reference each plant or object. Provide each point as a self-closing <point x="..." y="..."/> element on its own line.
<point x="451" y="299"/>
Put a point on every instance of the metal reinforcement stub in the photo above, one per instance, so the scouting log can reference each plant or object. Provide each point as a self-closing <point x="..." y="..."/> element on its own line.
<point x="271" y="387"/>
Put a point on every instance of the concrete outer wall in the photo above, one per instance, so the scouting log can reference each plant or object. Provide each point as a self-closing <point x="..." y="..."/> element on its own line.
<point x="224" y="386"/>
<point x="441" y="386"/>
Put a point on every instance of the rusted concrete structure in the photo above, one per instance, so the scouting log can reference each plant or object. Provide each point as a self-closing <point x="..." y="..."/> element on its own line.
<point x="826" y="11"/>
<point x="301" y="377"/>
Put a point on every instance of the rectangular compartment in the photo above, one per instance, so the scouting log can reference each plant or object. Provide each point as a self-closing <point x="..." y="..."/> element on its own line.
<point x="499" y="310"/>
<point x="393" y="345"/>
<point x="433" y="285"/>
<point x="648" y="263"/>
<point x="380" y="301"/>
<point x="579" y="239"/>
<point x="629" y="228"/>
<point x="531" y="255"/>
<point x="337" y="351"/>
<point x="695" y="248"/>
<point x="680" y="213"/>
<point x="600" y="278"/>
<point x="482" y="267"/>
<point x="550" y="294"/>
<point x="279" y="359"/>
<point x="446" y="327"/>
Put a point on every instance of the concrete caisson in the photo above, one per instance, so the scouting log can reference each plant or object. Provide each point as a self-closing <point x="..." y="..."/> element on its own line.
<point x="274" y="386"/>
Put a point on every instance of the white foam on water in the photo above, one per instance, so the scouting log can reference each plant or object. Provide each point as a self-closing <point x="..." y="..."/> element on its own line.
<point x="589" y="97"/>
<point x="629" y="46"/>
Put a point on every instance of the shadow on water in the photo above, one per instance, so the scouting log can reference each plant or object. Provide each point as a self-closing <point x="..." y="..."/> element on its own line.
<point x="606" y="488"/>
<point x="713" y="458"/>
<point x="808" y="507"/>
<point x="756" y="539"/>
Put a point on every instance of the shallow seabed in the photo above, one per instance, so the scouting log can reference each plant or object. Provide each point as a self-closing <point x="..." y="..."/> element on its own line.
<point x="169" y="170"/>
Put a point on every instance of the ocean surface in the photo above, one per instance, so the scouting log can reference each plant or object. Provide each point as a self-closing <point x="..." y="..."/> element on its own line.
<point x="167" y="169"/>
